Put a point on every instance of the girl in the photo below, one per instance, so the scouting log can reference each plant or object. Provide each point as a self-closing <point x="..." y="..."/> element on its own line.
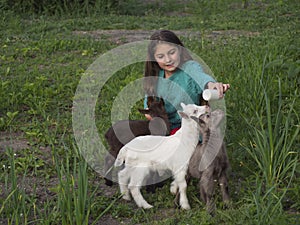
<point x="171" y="73"/>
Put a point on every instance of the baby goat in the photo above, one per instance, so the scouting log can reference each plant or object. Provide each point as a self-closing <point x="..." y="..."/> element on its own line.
<point x="145" y="154"/>
<point x="125" y="130"/>
<point x="210" y="161"/>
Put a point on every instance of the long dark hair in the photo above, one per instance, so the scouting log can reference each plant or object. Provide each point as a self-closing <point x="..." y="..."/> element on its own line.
<point x="151" y="66"/>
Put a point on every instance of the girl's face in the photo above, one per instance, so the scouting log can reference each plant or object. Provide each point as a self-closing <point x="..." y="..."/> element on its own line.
<point x="168" y="57"/>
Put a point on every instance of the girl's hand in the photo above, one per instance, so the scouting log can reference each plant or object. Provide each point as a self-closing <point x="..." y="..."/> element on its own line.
<point x="222" y="88"/>
<point x="148" y="117"/>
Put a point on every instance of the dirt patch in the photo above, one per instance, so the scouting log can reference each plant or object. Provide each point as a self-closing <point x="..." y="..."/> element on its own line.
<point x="20" y="146"/>
<point x="14" y="144"/>
<point x="14" y="141"/>
<point x="108" y="220"/>
<point x="126" y="36"/>
<point x="17" y="143"/>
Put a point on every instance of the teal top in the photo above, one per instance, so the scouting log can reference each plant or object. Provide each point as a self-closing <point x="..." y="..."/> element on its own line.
<point x="185" y="85"/>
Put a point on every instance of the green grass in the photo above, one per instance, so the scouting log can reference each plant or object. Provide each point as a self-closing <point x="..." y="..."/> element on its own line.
<point x="256" y="50"/>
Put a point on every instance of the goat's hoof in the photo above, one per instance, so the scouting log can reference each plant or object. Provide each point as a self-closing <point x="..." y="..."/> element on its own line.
<point x="227" y="204"/>
<point x="211" y="209"/>
<point x="185" y="206"/>
<point x="108" y="182"/>
<point x="173" y="189"/>
<point x="147" y="206"/>
<point x="126" y="197"/>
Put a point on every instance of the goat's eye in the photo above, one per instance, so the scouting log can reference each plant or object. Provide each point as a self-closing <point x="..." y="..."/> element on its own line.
<point x="195" y="111"/>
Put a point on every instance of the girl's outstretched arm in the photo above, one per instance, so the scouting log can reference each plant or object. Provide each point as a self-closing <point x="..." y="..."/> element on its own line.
<point x="222" y="88"/>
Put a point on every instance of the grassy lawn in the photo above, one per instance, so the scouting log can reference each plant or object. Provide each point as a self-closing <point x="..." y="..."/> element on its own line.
<point x="253" y="45"/>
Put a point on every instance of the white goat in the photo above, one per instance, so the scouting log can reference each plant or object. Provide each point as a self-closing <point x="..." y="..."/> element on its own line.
<point x="157" y="153"/>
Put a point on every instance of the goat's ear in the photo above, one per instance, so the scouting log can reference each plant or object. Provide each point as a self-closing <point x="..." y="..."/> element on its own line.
<point x="183" y="115"/>
<point x="195" y="118"/>
<point x="182" y="105"/>
<point x="161" y="100"/>
<point x="150" y="100"/>
<point x="201" y="123"/>
<point x="144" y="111"/>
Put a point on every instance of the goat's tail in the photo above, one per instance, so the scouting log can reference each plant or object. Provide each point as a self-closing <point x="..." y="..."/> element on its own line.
<point x="121" y="157"/>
